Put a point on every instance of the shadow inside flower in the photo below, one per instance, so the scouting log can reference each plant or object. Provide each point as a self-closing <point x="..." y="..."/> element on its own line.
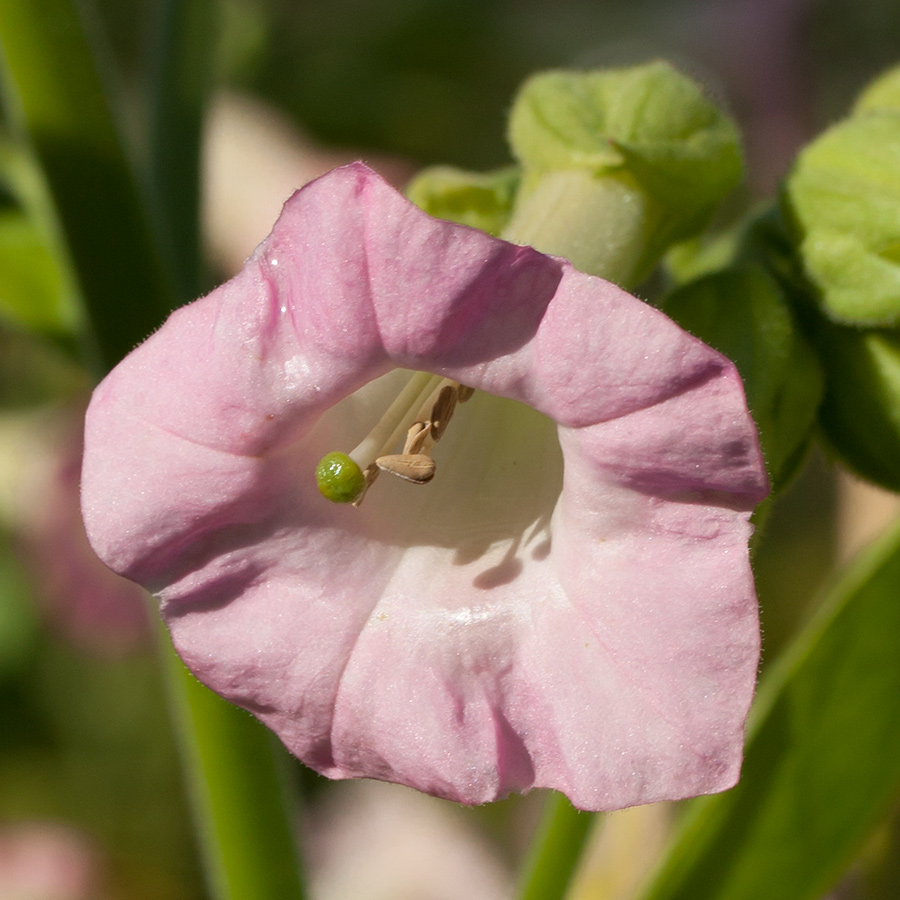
<point x="504" y="573"/>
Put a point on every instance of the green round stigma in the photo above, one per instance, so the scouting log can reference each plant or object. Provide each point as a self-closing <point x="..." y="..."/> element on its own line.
<point x="339" y="478"/>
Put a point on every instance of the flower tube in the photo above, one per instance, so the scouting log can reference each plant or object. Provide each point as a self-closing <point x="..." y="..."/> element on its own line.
<point x="566" y="603"/>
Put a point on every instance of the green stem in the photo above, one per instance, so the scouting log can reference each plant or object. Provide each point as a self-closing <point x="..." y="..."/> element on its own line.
<point x="236" y="772"/>
<point x="556" y="851"/>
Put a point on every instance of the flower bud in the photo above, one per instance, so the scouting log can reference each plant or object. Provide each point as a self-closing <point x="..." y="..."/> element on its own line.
<point x="637" y="157"/>
<point x="842" y="201"/>
<point x="842" y="204"/>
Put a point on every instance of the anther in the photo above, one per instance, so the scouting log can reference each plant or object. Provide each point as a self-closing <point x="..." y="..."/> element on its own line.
<point x="415" y="467"/>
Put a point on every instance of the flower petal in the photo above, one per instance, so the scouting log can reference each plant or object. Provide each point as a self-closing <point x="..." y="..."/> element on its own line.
<point x="566" y="607"/>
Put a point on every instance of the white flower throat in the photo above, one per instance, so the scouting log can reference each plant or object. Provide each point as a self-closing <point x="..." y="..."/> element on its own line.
<point x="419" y="417"/>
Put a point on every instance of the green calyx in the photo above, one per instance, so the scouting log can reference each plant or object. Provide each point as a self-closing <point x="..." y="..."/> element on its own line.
<point x="339" y="478"/>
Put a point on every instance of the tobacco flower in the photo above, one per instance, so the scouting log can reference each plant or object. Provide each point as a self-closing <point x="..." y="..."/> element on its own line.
<point x="568" y="603"/>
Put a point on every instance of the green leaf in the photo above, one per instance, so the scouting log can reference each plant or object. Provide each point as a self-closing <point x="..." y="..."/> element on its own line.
<point x="37" y="291"/>
<point x="184" y="53"/>
<point x="822" y="765"/>
<point x="130" y="278"/>
<point x="556" y="850"/>
<point x="35" y="370"/>
<point x="238" y="776"/>
<point x="18" y="616"/>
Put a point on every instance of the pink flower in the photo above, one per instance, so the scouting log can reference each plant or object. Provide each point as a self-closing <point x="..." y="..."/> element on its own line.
<point x="567" y="604"/>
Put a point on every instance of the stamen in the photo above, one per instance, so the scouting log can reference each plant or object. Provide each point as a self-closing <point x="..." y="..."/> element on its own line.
<point x="421" y="412"/>
<point x="415" y="467"/>
<point x="393" y="424"/>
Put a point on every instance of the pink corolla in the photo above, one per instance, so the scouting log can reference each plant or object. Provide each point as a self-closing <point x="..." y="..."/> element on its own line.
<point x="568" y="603"/>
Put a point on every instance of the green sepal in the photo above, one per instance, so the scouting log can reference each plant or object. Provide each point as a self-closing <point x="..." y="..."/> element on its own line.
<point x="861" y="412"/>
<point x="481" y="200"/>
<point x="743" y="312"/>
<point x="842" y="201"/>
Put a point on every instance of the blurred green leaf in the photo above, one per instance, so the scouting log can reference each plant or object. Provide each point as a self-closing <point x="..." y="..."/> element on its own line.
<point x="243" y="822"/>
<point x="184" y="51"/>
<point x="36" y="370"/>
<point x="556" y="850"/>
<point x="37" y="291"/>
<point x="32" y="290"/>
<point x="822" y="765"/>
<point x="53" y="92"/>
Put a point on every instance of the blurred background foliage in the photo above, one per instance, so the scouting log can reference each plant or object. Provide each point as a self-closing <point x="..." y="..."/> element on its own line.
<point x="84" y="737"/>
<point x="432" y="79"/>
